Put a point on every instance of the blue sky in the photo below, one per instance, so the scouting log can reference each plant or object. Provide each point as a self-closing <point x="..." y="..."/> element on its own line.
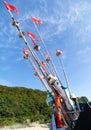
<point x="66" y="26"/>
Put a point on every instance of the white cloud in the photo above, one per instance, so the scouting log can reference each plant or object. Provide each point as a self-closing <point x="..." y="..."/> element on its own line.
<point x="84" y="55"/>
<point x="57" y="22"/>
<point x="43" y="6"/>
<point x="7" y="36"/>
<point x="84" y="33"/>
<point x="73" y="17"/>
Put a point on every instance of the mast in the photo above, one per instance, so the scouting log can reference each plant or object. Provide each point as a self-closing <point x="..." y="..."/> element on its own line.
<point x="55" y="72"/>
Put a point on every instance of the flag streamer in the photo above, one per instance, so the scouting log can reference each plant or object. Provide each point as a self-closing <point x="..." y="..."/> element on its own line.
<point x="11" y="7"/>
<point x="33" y="36"/>
<point x="35" y="20"/>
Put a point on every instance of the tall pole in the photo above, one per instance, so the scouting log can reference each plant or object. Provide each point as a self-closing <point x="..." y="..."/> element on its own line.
<point x="36" y="70"/>
<point x="37" y="48"/>
<point x="21" y="34"/>
<point x="46" y="50"/>
<point x="46" y="62"/>
<point x="65" y="75"/>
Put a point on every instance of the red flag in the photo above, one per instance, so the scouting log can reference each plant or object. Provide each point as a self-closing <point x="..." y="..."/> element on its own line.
<point x="33" y="36"/>
<point x="25" y="51"/>
<point x="11" y="7"/>
<point x="44" y="64"/>
<point x="34" y="42"/>
<point x="47" y="55"/>
<point x="36" y="21"/>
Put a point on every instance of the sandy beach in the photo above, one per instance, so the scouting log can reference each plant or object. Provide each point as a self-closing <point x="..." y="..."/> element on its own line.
<point x="37" y="127"/>
<point x="31" y="127"/>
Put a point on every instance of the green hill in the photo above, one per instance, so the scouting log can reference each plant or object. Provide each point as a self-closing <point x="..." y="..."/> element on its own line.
<point x="17" y="104"/>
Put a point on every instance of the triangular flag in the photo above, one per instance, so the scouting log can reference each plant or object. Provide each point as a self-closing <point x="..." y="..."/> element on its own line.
<point x="11" y="7"/>
<point x="35" y="20"/>
<point x="25" y="51"/>
<point x="33" y="36"/>
<point x="47" y="55"/>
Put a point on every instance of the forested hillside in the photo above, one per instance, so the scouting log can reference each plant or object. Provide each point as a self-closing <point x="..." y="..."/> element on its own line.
<point x="17" y="104"/>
